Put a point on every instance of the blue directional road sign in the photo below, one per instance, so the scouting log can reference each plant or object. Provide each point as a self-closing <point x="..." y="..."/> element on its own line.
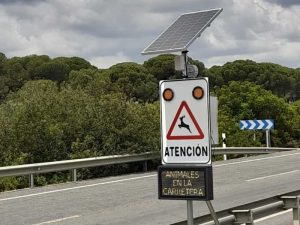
<point x="256" y="124"/>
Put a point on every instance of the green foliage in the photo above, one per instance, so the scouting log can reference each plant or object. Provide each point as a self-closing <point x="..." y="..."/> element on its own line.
<point x="16" y="71"/>
<point x="43" y="122"/>
<point x="82" y="78"/>
<point x="245" y="100"/>
<point x="40" y="180"/>
<point x="282" y="81"/>
<point x="295" y="124"/>
<point x="8" y="183"/>
<point x="162" y="67"/>
<point x="64" y="108"/>
<point x="295" y="89"/>
<point x="52" y="71"/>
<point x="134" y="81"/>
<point x="74" y="63"/>
<point x="2" y="63"/>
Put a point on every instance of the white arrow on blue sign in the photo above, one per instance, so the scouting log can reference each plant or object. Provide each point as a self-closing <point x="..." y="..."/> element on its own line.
<point x="256" y="124"/>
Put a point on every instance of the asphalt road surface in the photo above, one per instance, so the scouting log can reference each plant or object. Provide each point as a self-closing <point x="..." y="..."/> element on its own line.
<point x="132" y="199"/>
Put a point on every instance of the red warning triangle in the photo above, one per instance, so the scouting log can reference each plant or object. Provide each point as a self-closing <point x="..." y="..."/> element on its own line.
<point x="199" y="134"/>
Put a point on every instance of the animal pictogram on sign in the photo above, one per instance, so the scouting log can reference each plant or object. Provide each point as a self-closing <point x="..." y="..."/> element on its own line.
<point x="183" y="124"/>
<point x="198" y="134"/>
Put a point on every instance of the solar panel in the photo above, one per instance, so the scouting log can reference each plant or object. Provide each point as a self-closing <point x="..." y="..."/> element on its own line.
<point x="180" y="35"/>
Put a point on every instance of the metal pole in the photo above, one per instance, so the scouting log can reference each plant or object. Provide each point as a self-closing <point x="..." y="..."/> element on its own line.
<point x="190" y="217"/>
<point x="294" y="203"/>
<point x="296" y="216"/>
<point x="268" y="138"/>
<point x="224" y="144"/>
<point x="212" y="212"/>
<point x="185" y="71"/>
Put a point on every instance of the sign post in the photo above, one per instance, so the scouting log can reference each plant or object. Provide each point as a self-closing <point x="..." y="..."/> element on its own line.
<point x="185" y="142"/>
<point x="268" y="138"/>
<point x="185" y="117"/>
<point x="190" y="216"/>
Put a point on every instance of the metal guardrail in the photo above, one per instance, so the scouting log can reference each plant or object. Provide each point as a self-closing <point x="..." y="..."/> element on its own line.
<point x="248" y="213"/>
<point x="72" y="165"/>
<point x="38" y="168"/>
<point x="249" y="150"/>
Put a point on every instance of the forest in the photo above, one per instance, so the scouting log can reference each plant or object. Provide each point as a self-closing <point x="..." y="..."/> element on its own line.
<point x="64" y="108"/>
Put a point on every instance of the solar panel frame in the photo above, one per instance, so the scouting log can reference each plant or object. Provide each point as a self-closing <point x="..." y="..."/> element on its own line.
<point x="146" y="51"/>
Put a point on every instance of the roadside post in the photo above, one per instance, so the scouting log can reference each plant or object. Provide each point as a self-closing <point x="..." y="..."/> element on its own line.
<point x="186" y="172"/>
<point x="224" y="145"/>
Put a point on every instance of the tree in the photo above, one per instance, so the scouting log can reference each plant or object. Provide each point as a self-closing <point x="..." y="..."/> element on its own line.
<point x="52" y="71"/>
<point x="294" y="122"/>
<point x="163" y="67"/>
<point x="74" y="63"/>
<point x="33" y="62"/>
<point x="295" y="85"/>
<point x="278" y="79"/>
<point x="2" y="63"/>
<point x="134" y="81"/>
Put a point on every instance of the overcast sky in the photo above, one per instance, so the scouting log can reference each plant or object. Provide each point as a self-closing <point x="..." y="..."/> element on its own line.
<point x="106" y="32"/>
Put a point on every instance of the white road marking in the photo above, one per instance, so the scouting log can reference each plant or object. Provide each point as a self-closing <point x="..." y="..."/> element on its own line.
<point x="274" y="175"/>
<point x="273" y="215"/>
<point x="57" y="220"/>
<point x="253" y="160"/>
<point x="78" y="187"/>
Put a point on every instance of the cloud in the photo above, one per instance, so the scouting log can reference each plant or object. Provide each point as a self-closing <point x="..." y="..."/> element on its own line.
<point x="106" y="32"/>
<point x="285" y="55"/>
<point x="267" y="32"/>
<point x="285" y="3"/>
<point x="104" y="62"/>
<point x="19" y="1"/>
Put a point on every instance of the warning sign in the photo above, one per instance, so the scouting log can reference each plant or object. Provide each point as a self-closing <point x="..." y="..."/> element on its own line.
<point x="185" y="125"/>
<point x="185" y="121"/>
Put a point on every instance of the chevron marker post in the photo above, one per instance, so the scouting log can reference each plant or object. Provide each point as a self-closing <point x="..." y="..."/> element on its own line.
<point x="267" y="124"/>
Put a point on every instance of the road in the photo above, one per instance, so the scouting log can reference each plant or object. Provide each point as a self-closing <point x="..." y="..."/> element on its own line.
<point x="281" y="218"/>
<point x="132" y="199"/>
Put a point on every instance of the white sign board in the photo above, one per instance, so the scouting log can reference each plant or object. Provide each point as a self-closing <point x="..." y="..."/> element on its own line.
<point x="213" y="102"/>
<point x="185" y="121"/>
